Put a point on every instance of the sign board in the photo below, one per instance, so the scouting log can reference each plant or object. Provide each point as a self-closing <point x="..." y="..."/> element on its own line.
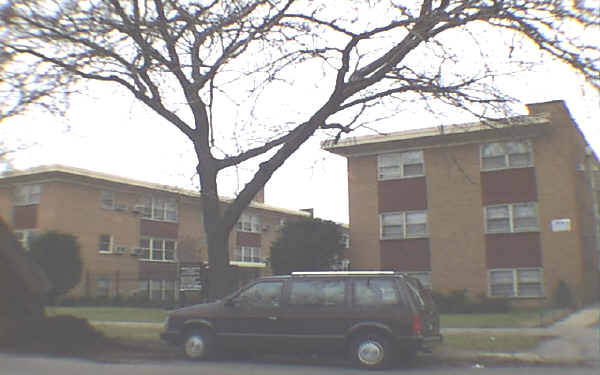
<point x="561" y="225"/>
<point x="190" y="278"/>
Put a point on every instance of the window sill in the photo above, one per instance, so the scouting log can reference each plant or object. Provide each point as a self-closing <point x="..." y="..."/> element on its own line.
<point x="516" y="231"/>
<point x="157" y="261"/>
<point x="248" y="264"/>
<point x="159" y="221"/>
<point x="402" y="238"/>
<point x="517" y="297"/>
<point x="504" y="168"/>
<point x="247" y="231"/>
<point x="399" y="177"/>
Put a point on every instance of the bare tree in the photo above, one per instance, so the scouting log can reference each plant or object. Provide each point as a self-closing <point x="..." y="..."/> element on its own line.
<point x="191" y="61"/>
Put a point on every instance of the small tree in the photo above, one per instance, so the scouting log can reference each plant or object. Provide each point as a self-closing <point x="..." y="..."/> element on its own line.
<point x="58" y="254"/>
<point x="307" y="245"/>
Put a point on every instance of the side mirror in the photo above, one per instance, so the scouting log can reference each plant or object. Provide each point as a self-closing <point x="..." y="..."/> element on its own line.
<point x="230" y="302"/>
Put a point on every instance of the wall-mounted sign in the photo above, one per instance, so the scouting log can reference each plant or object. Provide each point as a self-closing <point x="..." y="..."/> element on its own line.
<point x="561" y="225"/>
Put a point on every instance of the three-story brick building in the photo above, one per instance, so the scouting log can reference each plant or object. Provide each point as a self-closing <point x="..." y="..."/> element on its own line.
<point x="507" y="209"/>
<point x="134" y="235"/>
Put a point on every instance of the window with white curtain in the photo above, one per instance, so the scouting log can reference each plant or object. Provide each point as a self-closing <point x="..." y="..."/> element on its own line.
<point x="400" y="164"/>
<point x="512" y="217"/>
<point x="401" y="225"/>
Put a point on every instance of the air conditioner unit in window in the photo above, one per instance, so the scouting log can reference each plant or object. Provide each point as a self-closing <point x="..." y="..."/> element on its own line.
<point x="120" y="207"/>
<point x="120" y="250"/>
<point x="137" y="252"/>
<point x="265" y="228"/>
<point x="138" y="209"/>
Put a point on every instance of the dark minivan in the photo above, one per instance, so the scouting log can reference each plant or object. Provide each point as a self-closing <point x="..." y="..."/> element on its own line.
<point x="374" y="316"/>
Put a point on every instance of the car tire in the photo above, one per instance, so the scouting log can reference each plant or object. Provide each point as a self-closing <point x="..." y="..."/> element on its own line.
<point x="198" y="345"/>
<point x="371" y="351"/>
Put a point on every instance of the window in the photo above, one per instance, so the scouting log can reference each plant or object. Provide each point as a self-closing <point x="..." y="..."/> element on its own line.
<point x="161" y="209"/>
<point x="400" y="164"/>
<point x="514" y="217"/>
<point x="103" y="287"/>
<point x="28" y="194"/>
<point x="375" y="292"/>
<point x="346" y="240"/>
<point x="163" y="290"/>
<point x="105" y="243"/>
<point x="401" y="225"/>
<point x="158" y="249"/>
<point x="247" y="254"/>
<point x="25" y="237"/>
<point x="503" y="155"/>
<point x="107" y="200"/>
<point x="318" y="293"/>
<point x="423" y="277"/>
<point x="266" y="294"/>
<point x="249" y="223"/>
<point x="519" y="282"/>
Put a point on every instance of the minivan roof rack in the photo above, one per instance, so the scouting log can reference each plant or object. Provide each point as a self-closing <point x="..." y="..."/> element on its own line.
<point x="326" y="273"/>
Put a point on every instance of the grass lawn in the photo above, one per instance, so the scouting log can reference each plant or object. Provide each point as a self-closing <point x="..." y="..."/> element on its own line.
<point x="497" y="343"/>
<point x="111" y="314"/>
<point x="513" y="319"/>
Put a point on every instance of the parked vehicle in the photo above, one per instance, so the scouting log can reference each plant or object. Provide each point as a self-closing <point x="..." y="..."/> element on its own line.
<point x="374" y="316"/>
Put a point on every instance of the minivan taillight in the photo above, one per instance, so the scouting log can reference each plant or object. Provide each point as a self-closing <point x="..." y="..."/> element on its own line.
<point x="417" y="328"/>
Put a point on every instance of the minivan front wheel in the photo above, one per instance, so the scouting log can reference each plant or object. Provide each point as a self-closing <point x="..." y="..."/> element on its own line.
<point x="198" y="345"/>
<point x="371" y="351"/>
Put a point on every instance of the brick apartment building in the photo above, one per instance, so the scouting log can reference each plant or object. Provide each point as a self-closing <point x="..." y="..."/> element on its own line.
<point x="505" y="209"/>
<point x="134" y="235"/>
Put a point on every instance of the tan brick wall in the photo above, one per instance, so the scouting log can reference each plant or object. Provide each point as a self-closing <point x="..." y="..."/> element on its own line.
<point x="364" y="220"/>
<point x="455" y="215"/>
<point x="556" y="155"/>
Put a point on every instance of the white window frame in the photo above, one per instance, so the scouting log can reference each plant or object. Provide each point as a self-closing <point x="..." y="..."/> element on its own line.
<point x="515" y="282"/>
<point x="110" y="243"/>
<point x="397" y="160"/>
<point x="28" y="194"/>
<point x="250" y="223"/>
<point x="105" y="197"/>
<point x="160" y="209"/>
<point x="146" y="288"/>
<point x="25" y="236"/>
<point x="512" y="227"/>
<point x="150" y="249"/>
<point x="248" y="256"/>
<point x="404" y="215"/>
<point x="506" y="154"/>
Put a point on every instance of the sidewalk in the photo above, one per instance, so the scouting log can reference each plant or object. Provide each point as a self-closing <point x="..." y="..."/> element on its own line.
<point x="577" y="342"/>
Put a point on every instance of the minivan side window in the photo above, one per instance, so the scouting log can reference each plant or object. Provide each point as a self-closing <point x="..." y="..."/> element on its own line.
<point x="261" y="295"/>
<point x="317" y="293"/>
<point x="375" y="292"/>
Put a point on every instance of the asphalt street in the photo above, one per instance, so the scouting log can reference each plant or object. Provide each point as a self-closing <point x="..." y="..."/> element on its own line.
<point x="11" y="364"/>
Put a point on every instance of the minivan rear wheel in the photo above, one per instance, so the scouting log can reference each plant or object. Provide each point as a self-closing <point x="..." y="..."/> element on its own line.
<point x="371" y="351"/>
<point x="198" y="345"/>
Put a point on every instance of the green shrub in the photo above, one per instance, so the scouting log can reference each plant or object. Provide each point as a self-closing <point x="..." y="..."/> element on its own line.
<point x="459" y="302"/>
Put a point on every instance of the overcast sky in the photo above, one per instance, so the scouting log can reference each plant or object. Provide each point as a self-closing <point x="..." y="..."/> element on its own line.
<point x="108" y="131"/>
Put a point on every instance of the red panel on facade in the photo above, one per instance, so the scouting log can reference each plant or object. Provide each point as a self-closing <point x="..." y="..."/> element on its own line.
<point x="158" y="271"/>
<point x="25" y="217"/>
<point x="248" y="239"/>
<point x="508" y="186"/>
<point x="405" y="255"/>
<point x="158" y="229"/>
<point x="402" y="195"/>
<point x="512" y="250"/>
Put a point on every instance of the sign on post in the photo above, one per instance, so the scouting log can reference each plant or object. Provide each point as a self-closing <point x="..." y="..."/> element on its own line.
<point x="190" y="278"/>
